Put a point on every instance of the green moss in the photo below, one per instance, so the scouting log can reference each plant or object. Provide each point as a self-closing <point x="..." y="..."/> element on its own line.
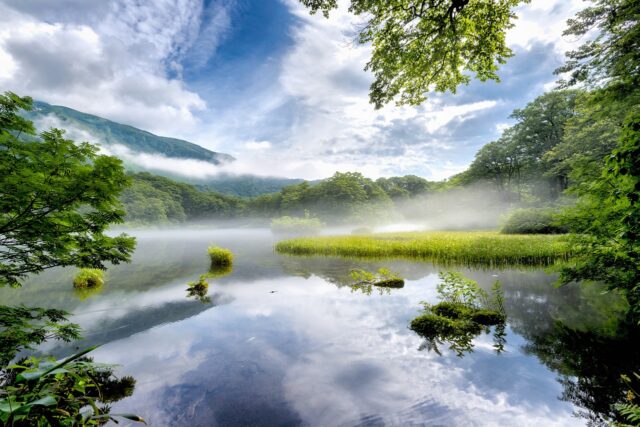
<point x="220" y="256"/>
<point x="89" y="278"/>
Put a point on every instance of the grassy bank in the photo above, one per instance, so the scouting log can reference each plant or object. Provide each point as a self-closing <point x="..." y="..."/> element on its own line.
<point x="469" y="248"/>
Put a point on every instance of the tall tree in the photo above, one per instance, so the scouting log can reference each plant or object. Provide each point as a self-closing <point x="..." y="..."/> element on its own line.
<point x="429" y="45"/>
<point x="56" y="199"/>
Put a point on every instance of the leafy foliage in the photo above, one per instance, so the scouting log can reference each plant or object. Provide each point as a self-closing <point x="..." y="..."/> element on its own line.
<point x="422" y="46"/>
<point x="613" y="57"/>
<point x="630" y="410"/>
<point x="466" y="310"/>
<point x="606" y="222"/>
<point x="533" y="221"/>
<point x="42" y="391"/>
<point x="25" y="327"/>
<point x="46" y="392"/>
<point x="57" y="200"/>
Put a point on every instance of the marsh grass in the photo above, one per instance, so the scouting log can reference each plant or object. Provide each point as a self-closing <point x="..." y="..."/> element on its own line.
<point x="475" y="248"/>
<point x="220" y="257"/>
<point x="89" y="278"/>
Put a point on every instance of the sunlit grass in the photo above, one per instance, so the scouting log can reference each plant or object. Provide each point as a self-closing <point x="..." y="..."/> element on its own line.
<point x="220" y="257"/>
<point x="469" y="248"/>
<point x="89" y="278"/>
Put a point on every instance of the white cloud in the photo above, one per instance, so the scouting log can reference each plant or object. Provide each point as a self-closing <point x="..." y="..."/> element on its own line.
<point x="258" y="145"/>
<point x="124" y="61"/>
<point x="113" y="68"/>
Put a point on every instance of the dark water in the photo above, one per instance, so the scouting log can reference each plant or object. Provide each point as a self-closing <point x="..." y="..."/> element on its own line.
<point x="284" y="342"/>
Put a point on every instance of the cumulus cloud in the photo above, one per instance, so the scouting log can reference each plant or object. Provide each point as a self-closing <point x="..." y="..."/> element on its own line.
<point x="113" y="63"/>
<point x="131" y="61"/>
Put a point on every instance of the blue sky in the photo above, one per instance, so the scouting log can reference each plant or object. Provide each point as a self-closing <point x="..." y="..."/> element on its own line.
<point x="282" y="91"/>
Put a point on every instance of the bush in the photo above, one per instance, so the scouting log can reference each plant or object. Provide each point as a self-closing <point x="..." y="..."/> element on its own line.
<point x="89" y="278"/>
<point x="532" y="221"/>
<point x="306" y="225"/>
<point x="220" y="256"/>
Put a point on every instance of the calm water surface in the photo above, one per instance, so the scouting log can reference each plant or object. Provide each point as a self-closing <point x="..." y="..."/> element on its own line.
<point x="284" y="341"/>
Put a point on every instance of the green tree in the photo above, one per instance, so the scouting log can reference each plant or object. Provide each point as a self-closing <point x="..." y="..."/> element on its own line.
<point x="606" y="222"/>
<point x="57" y="200"/>
<point x="425" y="45"/>
<point x="612" y="58"/>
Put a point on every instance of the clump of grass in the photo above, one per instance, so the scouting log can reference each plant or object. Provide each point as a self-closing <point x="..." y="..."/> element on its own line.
<point x="220" y="257"/>
<point x="89" y="278"/>
<point x="199" y="290"/>
<point x="289" y="225"/>
<point x="467" y="248"/>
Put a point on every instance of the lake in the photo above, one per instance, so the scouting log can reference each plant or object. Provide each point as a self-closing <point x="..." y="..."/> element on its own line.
<point x="284" y="341"/>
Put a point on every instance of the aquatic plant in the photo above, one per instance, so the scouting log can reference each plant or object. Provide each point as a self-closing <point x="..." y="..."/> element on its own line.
<point x="199" y="289"/>
<point x="220" y="256"/>
<point x="466" y="310"/>
<point x="476" y="248"/>
<point x="306" y="225"/>
<point x="89" y="278"/>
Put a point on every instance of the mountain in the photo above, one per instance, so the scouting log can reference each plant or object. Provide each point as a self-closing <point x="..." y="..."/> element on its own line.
<point x="111" y="133"/>
<point x="245" y="185"/>
<point x="112" y="136"/>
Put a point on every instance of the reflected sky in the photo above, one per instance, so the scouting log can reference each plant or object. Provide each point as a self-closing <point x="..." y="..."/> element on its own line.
<point x="285" y="342"/>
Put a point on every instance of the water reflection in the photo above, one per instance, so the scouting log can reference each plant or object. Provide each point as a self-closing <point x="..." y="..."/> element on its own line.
<point x="316" y="353"/>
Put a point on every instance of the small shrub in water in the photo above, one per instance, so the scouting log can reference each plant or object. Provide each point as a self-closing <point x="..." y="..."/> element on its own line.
<point x="465" y="312"/>
<point x="89" y="278"/>
<point x="220" y="257"/>
<point x="199" y="289"/>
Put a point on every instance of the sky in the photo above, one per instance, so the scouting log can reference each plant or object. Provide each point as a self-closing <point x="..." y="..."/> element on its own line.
<point x="283" y="91"/>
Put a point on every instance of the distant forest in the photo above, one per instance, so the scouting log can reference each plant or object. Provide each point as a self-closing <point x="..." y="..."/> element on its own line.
<point x="555" y="145"/>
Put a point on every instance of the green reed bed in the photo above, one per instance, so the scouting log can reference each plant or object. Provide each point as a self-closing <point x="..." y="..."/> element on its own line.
<point x="471" y="248"/>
